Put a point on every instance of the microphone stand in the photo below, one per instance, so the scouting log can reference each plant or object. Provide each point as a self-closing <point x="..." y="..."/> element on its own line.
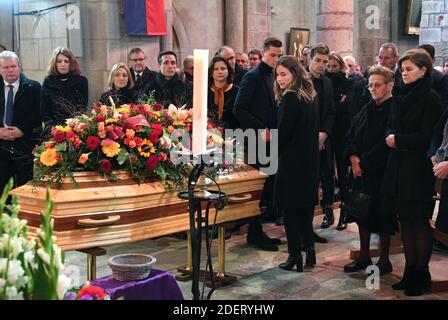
<point x="200" y="223"/>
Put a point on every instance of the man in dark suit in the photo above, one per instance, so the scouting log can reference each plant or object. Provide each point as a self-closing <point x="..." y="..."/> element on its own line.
<point x="255" y="108"/>
<point x="139" y="70"/>
<point x="229" y="54"/>
<point x="168" y="88"/>
<point x="319" y="57"/>
<point x="19" y="116"/>
<point x="439" y="79"/>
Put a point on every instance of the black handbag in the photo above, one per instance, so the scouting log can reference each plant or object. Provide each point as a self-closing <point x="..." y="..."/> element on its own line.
<point x="357" y="203"/>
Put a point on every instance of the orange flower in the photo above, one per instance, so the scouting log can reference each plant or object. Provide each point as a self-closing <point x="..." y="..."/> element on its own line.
<point x="49" y="144"/>
<point x="83" y="158"/>
<point x="110" y="148"/>
<point x="49" y="157"/>
<point x="102" y="134"/>
<point x="101" y="126"/>
<point x="130" y="133"/>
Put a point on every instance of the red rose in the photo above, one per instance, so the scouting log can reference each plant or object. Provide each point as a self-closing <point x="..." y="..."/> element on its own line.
<point x="92" y="143"/>
<point x="100" y="119"/>
<point x="154" y="137"/>
<point x="59" y="136"/>
<point x="162" y="156"/>
<point x="92" y="291"/>
<point x="152" y="162"/>
<point x="157" y="107"/>
<point x="138" y="141"/>
<point x="106" y="166"/>
<point x="156" y="129"/>
<point x="188" y="127"/>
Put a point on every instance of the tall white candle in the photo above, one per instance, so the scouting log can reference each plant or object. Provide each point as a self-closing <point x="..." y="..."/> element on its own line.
<point x="200" y="91"/>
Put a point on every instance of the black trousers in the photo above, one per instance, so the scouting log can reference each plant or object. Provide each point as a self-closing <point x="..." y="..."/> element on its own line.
<point x="298" y="225"/>
<point x="15" y="163"/>
<point x="326" y="179"/>
<point x="342" y="168"/>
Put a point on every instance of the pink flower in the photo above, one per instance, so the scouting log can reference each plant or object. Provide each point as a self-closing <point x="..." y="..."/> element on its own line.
<point x="152" y="162"/>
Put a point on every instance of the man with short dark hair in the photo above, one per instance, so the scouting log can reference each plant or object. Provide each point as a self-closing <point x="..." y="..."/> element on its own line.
<point x="305" y="54"/>
<point x="439" y="79"/>
<point x="139" y="70"/>
<point x="19" y="116"/>
<point x="229" y="54"/>
<point x="167" y="87"/>
<point x="254" y="57"/>
<point x="319" y="58"/>
<point x="255" y="108"/>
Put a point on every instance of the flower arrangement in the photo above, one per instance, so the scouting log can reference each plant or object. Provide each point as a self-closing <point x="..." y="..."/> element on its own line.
<point x="135" y="138"/>
<point x="29" y="269"/>
<point x="87" y="292"/>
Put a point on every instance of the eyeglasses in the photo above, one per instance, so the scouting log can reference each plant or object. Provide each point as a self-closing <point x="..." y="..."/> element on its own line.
<point x="138" y="60"/>
<point x="375" y="85"/>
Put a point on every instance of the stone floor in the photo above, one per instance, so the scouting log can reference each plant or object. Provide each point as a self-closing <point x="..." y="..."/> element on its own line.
<point x="259" y="278"/>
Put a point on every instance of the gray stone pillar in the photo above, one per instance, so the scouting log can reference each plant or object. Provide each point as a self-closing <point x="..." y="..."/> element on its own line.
<point x="258" y="24"/>
<point x="6" y="23"/>
<point x="434" y="27"/>
<point x="373" y="28"/>
<point x="335" y="24"/>
<point x="234" y="32"/>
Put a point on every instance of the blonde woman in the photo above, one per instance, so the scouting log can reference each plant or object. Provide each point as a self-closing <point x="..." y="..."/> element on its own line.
<point x="297" y="178"/>
<point x="120" y="85"/>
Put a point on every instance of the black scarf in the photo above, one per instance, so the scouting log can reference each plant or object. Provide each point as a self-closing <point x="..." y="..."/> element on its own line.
<point x="410" y="93"/>
<point x="164" y="83"/>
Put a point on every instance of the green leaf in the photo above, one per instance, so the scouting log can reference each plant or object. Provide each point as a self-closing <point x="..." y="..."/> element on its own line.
<point x="61" y="147"/>
<point x="123" y="156"/>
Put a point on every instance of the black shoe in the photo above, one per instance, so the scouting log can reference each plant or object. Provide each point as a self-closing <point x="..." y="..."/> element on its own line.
<point x="342" y="224"/>
<point x="385" y="269"/>
<point x="419" y="283"/>
<point x="279" y="221"/>
<point x="262" y="242"/>
<point x="272" y="240"/>
<point x="408" y="272"/>
<point x="328" y="218"/>
<point x="310" y="260"/>
<point x="357" y="265"/>
<point x="319" y="239"/>
<point x="291" y="262"/>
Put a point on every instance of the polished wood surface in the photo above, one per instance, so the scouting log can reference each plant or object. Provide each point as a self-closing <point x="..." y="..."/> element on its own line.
<point x="101" y="213"/>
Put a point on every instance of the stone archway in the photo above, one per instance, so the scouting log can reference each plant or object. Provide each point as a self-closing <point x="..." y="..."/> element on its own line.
<point x="181" y="44"/>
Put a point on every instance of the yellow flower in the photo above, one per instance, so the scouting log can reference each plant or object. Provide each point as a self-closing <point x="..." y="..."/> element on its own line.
<point x="63" y="129"/>
<point x="111" y="150"/>
<point x="49" y="157"/>
<point x="123" y="109"/>
<point x="146" y="148"/>
<point x="178" y="123"/>
<point x="111" y="120"/>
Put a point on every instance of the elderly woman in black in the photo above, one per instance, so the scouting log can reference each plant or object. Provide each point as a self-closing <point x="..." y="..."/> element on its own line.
<point x="64" y="91"/>
<point x="221" y="93"/>
<point x="297" y="179"/>
<point x="120" y="85"/>
<point x="409" y="179"/>
<point x="367" y="153"/>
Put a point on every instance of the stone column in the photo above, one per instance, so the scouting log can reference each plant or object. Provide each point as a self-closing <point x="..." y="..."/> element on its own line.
<point x="258" y="23"/>
<point x="434" y="27"/>
<point x="234" y="20"/>
<point x="335" y="24"/>
<point x="6" y="23"/>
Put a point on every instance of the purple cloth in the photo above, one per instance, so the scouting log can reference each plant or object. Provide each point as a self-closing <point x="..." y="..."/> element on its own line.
<point x="160" y="285"/>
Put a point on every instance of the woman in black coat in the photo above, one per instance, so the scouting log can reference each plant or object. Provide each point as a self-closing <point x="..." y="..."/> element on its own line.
<point x="408" y="183"/>
<point x="343" y="95"/>
<point x="120" y="85"/>
<point x="367" y="152"/>
<point x="221" y="94"/>
<point x="65" y="91"/>
<point x="297" y="179"/>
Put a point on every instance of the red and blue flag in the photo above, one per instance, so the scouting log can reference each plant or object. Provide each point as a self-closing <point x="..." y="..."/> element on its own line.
<point x="145" y="17"/>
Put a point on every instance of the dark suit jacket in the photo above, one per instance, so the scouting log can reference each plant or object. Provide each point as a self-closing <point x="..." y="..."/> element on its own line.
<point x="239" y="74"/>
<point x="440" y="84"/>
<point x="255" y="106"/>
<point x="148" y="76"/>
<point x="26" y="111"/>
<point x="297" y="178"/>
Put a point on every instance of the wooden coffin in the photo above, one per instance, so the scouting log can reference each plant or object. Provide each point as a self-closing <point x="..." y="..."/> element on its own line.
<point x="102" y="213"/>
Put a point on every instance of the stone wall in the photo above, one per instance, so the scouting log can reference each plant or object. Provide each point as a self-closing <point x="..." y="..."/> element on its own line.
<point x="6" y="23"/>
<point x="434" y="27"/>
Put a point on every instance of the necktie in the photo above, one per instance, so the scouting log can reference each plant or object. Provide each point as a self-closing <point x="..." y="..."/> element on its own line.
<point x="137" y="78"/>
<point x="9" y="113"/>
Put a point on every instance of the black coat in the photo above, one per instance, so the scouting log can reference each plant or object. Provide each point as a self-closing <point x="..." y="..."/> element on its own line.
<point x="228" y="120"/>
<point x="26" y="112"/>
<point x="239" y="74"/>
<point x="440" y="85"/>
<point x="120" y="97"/>
<point x="409" y="177"/>
<point x="63" y="99"/>
<point x="365" y="139"/>
<point x="255" y="106"/>
<point x="297" y="178"/>
<point x="148" y="76"/>
<point x="173" y="91"/>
